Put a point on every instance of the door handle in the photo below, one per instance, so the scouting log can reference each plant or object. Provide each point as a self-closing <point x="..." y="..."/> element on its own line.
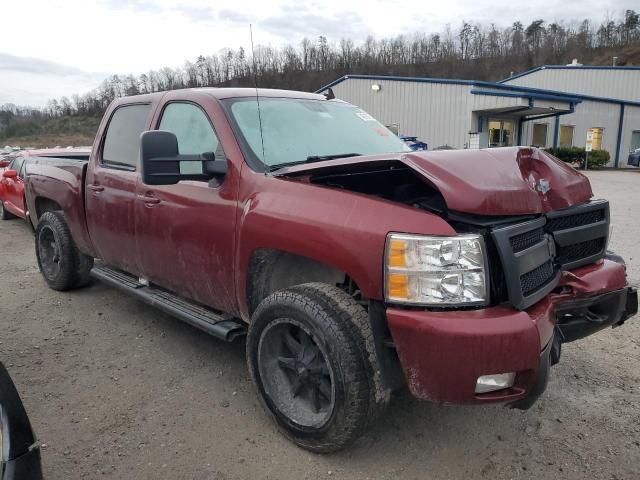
<point x="149" y="200"/>
<point x="96" y="188"/>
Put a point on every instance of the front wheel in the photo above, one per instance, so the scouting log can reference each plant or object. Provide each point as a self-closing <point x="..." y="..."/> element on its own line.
<point x="309" y="362"/>
<point x="62" y="265"/>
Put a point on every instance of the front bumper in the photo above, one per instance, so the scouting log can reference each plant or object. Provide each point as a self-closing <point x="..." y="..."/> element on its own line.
<point x="443" y="353"/>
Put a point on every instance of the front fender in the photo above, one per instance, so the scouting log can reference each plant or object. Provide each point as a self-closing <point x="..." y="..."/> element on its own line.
<point x="342" y="229"/>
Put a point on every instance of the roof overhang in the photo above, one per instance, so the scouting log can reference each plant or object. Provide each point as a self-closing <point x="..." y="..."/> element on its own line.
<point x="504" y="88"/>
<point x="524" y="105"/>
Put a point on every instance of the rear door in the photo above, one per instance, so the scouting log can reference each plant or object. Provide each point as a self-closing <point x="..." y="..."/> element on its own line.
<point x="111" y="187"/>
<point x="186" y="231"/>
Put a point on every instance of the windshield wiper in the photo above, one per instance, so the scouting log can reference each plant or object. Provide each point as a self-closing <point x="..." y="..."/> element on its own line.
<point x="313" y="158"/>
<point x="320" y="158"/>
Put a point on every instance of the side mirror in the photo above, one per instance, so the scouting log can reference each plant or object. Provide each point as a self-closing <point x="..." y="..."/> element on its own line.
<point x="162" y="163"/>
<point x="4" y="163"/>
<point x="9" y="174"/>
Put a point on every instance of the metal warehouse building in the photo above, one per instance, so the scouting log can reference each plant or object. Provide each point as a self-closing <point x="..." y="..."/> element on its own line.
<point x="548" y="106"/>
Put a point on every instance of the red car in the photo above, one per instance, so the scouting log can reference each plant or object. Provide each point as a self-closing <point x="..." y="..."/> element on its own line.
<point x="12" y="197"/>
<point x="12" y="203"/>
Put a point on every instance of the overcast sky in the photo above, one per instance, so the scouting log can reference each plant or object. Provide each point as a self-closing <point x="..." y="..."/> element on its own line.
<point x="51" y="48"/>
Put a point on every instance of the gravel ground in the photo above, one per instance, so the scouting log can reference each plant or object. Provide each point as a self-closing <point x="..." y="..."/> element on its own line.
<point x="117" y="390"/>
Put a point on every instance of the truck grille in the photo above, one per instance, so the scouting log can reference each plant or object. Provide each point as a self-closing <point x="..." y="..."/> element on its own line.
<point x="533" y="253"/>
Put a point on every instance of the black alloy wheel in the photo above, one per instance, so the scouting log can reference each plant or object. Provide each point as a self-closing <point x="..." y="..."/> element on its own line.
<point x="312" y="361"/>
<point x="48" y="252"/>
<point x="295" y="374"/>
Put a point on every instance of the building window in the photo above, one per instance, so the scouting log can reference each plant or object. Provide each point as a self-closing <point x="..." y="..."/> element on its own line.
<point x="539" y="135"/>
<point x="596" y="138"/>
<point x="501" y="133"/>
<point x="566" y="135"/>
<point x="635" y="141"/>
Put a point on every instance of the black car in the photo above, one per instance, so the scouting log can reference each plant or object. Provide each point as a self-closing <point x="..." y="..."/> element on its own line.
<point x="634" y="158"/>
<point x="19" y="451"/>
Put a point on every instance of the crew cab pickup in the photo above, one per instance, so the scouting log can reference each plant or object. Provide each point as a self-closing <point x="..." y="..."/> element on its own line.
<point x="354" y="265"/>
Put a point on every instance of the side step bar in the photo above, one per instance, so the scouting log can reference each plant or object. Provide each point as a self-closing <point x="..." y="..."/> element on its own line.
<point x="214" y="323"/>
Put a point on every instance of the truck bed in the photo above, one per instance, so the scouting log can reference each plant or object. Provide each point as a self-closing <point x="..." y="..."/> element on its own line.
<point x="57" y="179"/>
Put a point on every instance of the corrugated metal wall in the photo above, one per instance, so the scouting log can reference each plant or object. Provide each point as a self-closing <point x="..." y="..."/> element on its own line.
<point x="443" y="113"/>
<point x="439" y="114"/>
<point x="619" y="84"/>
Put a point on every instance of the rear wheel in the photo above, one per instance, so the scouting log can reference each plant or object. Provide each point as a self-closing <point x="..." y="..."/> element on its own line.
<point x="62" y="265"/>
<point x="311" y="366"/>
<point x="4" y="213"/>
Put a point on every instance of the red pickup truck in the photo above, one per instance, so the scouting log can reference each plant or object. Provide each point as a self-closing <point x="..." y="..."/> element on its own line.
<point x="354" y="265"/>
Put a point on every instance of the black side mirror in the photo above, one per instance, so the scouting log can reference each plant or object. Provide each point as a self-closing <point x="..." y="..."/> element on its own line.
<point x="162" y="163"/>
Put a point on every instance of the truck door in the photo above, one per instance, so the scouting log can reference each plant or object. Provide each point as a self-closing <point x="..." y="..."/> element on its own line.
<point x="111" y="187"/>
<point x="186" y="231"/>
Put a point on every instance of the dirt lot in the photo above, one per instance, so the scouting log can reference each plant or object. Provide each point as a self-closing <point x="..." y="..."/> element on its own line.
<point x="117" y="390"/>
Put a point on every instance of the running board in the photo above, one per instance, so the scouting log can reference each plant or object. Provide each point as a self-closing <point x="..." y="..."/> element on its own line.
<point x="214" y="323"/>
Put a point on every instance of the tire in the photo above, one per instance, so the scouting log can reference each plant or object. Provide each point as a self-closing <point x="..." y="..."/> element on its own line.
<point x="313" y="367"/>
<point x="62" y="265"/>
<point x="5" y="214"/>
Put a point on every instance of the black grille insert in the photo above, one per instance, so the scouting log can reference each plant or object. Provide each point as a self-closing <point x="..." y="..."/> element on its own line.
<point x="522" y="241"/>
<point x="577" y="220"/>
<point x="578" y="251"/>
<point x="532" y="281"/>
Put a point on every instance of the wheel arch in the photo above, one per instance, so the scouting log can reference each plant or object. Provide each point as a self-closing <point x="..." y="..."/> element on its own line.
<point x="270" y="270"/>
<point x="44" y="204"/>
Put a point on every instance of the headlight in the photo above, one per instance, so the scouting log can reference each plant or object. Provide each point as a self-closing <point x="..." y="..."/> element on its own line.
<point x="436" y="271"/>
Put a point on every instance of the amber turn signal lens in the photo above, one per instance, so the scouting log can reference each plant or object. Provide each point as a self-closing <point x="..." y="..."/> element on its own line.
<point x="397" y="251"/>
<point x="398" y="285"/>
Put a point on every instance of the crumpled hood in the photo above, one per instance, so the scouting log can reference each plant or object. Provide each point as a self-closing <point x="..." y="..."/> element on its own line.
<point x="497" y="181"/>
<point x="502" y="181"/>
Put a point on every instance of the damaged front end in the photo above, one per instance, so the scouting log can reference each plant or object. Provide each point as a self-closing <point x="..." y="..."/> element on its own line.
<point x="551" y="279"/>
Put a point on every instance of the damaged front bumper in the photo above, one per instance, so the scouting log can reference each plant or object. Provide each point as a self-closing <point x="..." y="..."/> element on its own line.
<point x="443" y="353"/>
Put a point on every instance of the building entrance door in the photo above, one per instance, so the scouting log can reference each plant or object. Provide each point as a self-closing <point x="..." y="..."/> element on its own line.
<point x="501" y="133"/>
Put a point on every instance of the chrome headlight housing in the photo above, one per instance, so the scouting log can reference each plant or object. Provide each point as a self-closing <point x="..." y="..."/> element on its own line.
<point x="436" y="271"/>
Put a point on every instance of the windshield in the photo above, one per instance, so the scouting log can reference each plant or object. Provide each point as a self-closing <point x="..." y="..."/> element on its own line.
<point x="296" y="129"/>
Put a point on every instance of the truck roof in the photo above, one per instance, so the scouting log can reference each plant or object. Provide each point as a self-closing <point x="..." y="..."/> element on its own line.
<point x="222" y="93"/>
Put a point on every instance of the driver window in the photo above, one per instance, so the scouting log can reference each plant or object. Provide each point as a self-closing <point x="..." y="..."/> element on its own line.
<point x="192" y="128"/>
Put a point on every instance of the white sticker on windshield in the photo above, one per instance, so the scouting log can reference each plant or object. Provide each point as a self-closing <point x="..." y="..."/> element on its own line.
<point x="365" y="116"/>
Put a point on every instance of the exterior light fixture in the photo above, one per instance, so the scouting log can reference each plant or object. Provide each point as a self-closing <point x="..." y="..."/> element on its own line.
<point x="376" y="87"/>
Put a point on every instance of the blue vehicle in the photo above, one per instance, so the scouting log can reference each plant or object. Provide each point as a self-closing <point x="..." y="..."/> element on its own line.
<point x="414" y="143"/>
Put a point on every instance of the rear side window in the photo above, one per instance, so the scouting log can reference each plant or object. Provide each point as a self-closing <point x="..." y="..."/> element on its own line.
<point x="122" y="141"/>
<point x="192" y="128"/>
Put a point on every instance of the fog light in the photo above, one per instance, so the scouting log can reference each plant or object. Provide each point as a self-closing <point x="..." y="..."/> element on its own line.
<point x="491" y="383"/>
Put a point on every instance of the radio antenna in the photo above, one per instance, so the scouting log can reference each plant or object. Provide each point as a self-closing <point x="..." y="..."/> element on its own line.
<point x="255" y="79"/>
